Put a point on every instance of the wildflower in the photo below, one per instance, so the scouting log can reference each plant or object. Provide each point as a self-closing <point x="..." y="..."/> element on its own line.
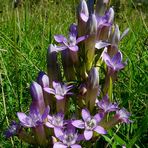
<point x="122" y="115"/>
<point x="115" y="63"/>
<point x="68" y="138"/>
<point x="59" y="90"/>
<point x="71" y="43"/>
<point x="106" y="106"/>
<point x="56" y="122"/>
<point x="34" y="118"/>
<point x="89" y="124"/>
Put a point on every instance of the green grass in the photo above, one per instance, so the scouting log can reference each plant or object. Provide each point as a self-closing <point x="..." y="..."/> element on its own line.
<point x="25" y="34"/>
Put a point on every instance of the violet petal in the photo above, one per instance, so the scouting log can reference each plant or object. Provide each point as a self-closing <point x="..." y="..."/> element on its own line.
<point x="100" y="130"/>
<point x="88" y="134"/>
<point x="78" y="124"/>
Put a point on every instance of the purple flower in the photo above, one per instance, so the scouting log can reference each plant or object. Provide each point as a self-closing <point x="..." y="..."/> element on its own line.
<point x="59" y="90"/>
<point x="12" y="130"/>
<point x="68" y="138"/>
<point x="106" y="106"/>
<point x="90" y="124"/>
<point x="72" y="42"/>
<point x="56" y="122"/>
<point x="123" y="115"/>
<point x="115" y="63"/>
<point x="34" y="118"/>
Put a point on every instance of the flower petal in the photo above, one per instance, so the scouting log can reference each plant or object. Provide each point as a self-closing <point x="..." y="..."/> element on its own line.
<point x="75" y="146"/>
<point x="49" y="90"/>
<point x="24" y="119"/>
<point x="85" y="114"/>
<point x="84" y="17"/>
<point x="73" y="48"/>
<point x="58" y="132"/>
<point x="59" y="145"/>
<point x="117" y="58"/>
<point x="100" y="130"/>
<point x="60" y="38"/>
<point x="101" y="44"/>
<point x="58" y="97"/>
<point x="46" y="112"/>
<point x="88" y="134"/>
<point x="78" y="124"/>
<point x="80" y="39"/>
<point x="48" y="124"/>
<point x="98" y="117"/>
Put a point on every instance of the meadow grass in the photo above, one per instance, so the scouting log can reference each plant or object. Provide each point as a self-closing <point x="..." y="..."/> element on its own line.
<point x="25" y="34"/>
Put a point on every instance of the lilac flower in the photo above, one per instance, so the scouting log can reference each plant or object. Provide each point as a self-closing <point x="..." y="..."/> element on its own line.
<point x="72" y="42"/>
<point x="90" y="124"/>
<point x="115" y="63"/>
<point x="68" y="138"/>
<point x="123" y="115"/>
<point x="106" y="106"/>
<point x="34" y="118"/>
<point x="59" y="90"/>
<point x="12" y="130"/>
<point x="56" y="122"/>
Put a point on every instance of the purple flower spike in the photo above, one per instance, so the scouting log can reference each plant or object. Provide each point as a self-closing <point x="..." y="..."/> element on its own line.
<point x="90" y="124"/>
<point x="34" y="118"/>
<point x="106" y="106"/>
<point x="115" y="63"/>
<point x="59" y="90"/>
<point x="68" y="138"/>
<point x="123" y="116"/>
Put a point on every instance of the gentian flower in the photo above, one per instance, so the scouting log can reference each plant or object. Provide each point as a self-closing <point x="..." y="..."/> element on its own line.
<point x="72" y="42"/>
<point x="56" y="122"/>
<point x="59" y="90"/>
<point x="89" y="124"/>
<point x="115" y="63"/>
<point x="34" y="118"/>
<point x="122" y="115"/>
<point x="68" y="138"/>
<point x="106" y="106"/>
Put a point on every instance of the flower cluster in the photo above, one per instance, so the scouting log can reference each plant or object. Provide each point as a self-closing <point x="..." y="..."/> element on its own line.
<point x="69" y="104"/>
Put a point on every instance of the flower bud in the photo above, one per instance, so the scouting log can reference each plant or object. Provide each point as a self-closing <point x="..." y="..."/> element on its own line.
<point x="43" y="79"/>
<point x="92" y="88"/>
<point x="53" y="65"/>
<point x="37" y="97"/>
<point x="91" y="40"/>
<point x="82" y="17"/>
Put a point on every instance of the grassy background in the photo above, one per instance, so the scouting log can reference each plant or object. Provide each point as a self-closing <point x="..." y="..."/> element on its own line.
<point x="26" y="32"/>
